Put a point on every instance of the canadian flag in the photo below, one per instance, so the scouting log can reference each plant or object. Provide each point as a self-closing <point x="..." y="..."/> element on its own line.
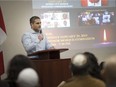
<point x="2" y="39"/>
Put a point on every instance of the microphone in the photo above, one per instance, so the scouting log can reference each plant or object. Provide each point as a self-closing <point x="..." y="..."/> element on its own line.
<point x="40" y="31"/>
<point x="40" y="37"/>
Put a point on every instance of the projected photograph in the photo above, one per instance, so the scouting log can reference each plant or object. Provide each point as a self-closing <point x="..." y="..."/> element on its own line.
<point x="55" y="19"/>
<point x="94" y="3"/>
<point x="96" y="17"/>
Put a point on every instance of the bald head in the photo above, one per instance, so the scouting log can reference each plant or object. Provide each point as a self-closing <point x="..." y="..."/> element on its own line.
<point x="28" y="78"/>
<point x="79" y="64"/>
<point x="79" y="60"/>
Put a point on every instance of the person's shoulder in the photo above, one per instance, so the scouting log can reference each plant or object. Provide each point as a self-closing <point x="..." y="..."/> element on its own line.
<point x="98" y="82"/>
<point x="71" y="79"/>
<point x="63" y="83"/>
<point x="69" y="83"/>
<point x="27" y="33"/>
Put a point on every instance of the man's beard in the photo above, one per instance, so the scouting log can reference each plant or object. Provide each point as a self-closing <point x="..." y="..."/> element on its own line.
<point x="37" y="30"/>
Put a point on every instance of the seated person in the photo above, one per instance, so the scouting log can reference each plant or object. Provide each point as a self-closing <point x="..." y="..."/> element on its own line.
<point x="109" y="71"/>
<point x="17" y="64"/>
<point x="80" y="66"/>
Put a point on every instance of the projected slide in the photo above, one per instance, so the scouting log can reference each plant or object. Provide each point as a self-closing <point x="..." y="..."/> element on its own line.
<point x="96" y="17"/>
<point x="71" y="3"/>
<point x="78" y="24"/>
<point x="55" y="19"/>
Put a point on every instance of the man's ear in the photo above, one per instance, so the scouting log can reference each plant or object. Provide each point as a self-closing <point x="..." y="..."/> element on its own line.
<point x="103" y="73"/>
<point x="31" y="24"/>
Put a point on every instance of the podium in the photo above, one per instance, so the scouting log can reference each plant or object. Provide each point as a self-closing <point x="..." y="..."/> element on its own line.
<point x="48" y="54"/>
<point x="51" y="69"/>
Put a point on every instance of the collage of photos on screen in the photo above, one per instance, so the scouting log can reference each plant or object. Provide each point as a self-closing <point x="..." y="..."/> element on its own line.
<point x="55" y="19"/>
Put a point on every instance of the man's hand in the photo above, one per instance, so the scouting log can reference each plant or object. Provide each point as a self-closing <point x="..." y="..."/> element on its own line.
<point x="40" y="37"/>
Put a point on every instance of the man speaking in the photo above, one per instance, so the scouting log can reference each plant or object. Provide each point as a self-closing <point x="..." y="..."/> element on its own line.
<point x="35" y="40"/>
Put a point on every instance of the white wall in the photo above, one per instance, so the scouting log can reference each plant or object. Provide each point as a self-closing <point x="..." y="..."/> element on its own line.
<point x="16" y="15"/>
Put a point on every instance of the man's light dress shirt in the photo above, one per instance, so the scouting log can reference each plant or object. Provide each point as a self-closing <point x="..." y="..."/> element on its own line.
<point x="32" y="44"/>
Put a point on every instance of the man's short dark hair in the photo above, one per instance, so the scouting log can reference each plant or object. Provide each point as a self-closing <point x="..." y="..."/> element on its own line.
<point x="32" y="19"/>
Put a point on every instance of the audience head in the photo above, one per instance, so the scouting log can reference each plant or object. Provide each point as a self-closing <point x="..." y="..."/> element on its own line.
<point x="17" y="63"/>
<point x="27" y="78"/>
<point x="109" y="71"/>
<point x="94" y="66"/>
<point x="79" y="64"/>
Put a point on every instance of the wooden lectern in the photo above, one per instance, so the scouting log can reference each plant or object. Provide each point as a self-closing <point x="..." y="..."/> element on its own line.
<point x="48" y="54"/>
<point x="51" y="69"/>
